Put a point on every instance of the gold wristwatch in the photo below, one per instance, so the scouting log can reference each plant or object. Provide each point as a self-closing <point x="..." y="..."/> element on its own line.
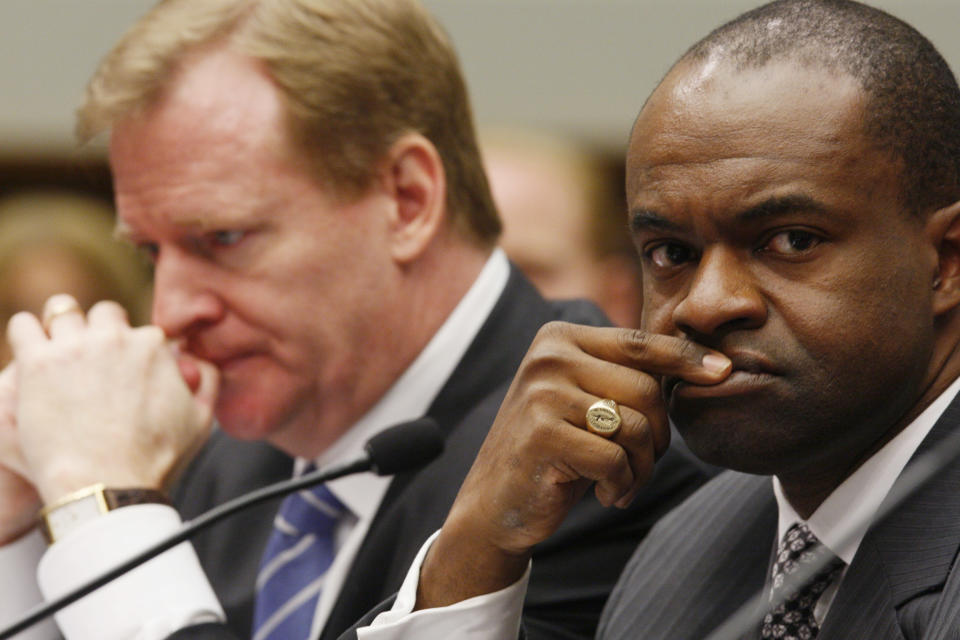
<point x="74" y="509"/>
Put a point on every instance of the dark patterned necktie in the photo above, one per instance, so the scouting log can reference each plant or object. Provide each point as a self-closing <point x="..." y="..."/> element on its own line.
<point x="298" y="554"/>
<point x="793" y="618"/>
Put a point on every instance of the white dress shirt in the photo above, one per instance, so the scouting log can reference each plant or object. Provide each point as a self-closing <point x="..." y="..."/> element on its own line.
<point x="842" y="520"/>
<point x="171" y="591"/>
<point x="19" y="558"/>
<point x="841" y="515"/>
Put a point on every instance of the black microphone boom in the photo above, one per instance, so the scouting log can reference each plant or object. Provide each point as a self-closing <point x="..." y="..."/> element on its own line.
<point x="404" y="447"/>
<point x="396" y="450"/>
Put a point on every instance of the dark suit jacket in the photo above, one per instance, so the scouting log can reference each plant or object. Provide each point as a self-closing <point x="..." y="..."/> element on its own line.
<point x="711" y="555"/>
<point x="573" y="572"/>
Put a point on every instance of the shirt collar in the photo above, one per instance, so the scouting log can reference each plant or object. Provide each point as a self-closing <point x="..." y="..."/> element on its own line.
<point x="413" y="392"/>
<point x="849" y="510"/>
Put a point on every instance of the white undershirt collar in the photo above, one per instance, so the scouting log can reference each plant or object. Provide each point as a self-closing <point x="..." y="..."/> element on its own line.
<point x="414" y="391"/>
<point x="408" y="399"/>
<point x="852" y="505"/>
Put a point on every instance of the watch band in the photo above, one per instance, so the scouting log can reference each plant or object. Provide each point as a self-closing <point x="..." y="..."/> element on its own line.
<point x="85" y="504"/>
<point x="117" y="498"/>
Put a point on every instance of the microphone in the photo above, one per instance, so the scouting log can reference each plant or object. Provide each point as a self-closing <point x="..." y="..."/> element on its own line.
<point x="404" y="447"/>
<point x="742" y="621"/>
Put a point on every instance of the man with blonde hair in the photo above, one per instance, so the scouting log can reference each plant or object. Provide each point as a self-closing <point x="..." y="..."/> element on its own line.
<point x="305" y="178"/>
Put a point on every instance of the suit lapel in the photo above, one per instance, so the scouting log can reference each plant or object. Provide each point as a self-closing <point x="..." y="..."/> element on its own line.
<point x="863" y="608"/>
<point x="416" y="504"/>
<point x="495" y="353"/>
<point x="230" y="552"/>
<point x="903" y="558"/>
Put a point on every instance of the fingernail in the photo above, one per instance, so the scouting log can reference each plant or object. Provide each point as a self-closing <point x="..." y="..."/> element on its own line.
<point x="624" y="502"/>
<point x="714" y="363"/>
<point x="603" y="496"/>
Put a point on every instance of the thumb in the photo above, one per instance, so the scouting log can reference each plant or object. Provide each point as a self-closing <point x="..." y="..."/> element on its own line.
<point x="208" y="385"/>
<point x="189" y="371"/>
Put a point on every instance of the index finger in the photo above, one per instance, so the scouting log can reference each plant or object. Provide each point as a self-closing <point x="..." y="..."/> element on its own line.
<point x="23" y="330"/>
<point x="653" y="353"/>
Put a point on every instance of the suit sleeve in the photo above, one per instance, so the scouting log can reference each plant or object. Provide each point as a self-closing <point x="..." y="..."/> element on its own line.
<point x="570" y="578"/>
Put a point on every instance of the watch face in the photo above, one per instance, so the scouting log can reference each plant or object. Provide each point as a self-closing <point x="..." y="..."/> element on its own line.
<point x="68" y="517"/>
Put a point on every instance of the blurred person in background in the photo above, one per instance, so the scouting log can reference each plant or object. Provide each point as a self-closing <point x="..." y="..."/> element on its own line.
<point x="52" y="242"/>
<point x="563" y="214"/>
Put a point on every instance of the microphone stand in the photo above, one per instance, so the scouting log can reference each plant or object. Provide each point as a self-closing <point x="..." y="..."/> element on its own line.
<point x="186" y="530"/>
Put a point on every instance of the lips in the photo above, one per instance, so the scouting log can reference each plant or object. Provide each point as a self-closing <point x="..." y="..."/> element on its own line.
<point x="220" y="357"/>
<point x="226" y="363"/>
<point x="750" y="373"/>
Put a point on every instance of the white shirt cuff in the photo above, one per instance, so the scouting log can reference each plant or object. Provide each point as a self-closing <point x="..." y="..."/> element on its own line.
<point x="492" y="616"/>
<point x="18" y="590"/>
<point x="148" y="603"/>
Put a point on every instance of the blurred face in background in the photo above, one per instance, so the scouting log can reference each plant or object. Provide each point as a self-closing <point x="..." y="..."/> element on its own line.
<point x="62" y="242"/>
<point x="37" y="273"/>
<point x="548" y="203"/>
<point x="546" y="223"/>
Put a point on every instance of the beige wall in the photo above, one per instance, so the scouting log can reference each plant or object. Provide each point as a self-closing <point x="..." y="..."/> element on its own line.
<point x="582" y="66"/>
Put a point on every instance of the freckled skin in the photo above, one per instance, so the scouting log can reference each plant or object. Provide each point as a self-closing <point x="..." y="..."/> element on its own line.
<point x="824" y="305"/>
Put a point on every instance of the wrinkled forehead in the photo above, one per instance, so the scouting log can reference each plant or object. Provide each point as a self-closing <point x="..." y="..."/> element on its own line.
<point x="711" y="110"/>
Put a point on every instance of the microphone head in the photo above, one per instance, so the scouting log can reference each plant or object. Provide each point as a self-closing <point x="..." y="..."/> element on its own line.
<point x="407" y="446"/>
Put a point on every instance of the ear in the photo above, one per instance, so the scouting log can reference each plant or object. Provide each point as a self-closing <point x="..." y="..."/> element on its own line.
<point x="416" y="183"/>
<point x="943" y="227"/>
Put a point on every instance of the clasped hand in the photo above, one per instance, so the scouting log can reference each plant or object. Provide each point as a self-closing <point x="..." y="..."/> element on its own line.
<point x="89" y="399"/>
<point x="539" y="459"/>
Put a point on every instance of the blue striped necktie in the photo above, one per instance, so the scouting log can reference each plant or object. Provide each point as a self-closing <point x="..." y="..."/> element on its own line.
<point x="294" y="565"/>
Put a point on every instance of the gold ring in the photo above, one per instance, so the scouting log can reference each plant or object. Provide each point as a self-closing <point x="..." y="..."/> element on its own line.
<point x="603" y="418"/>
<point x="61" y="306"/>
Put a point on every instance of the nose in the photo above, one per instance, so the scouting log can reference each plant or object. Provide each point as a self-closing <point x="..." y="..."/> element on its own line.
<point x="182" y="300"/>
<point x="723" y="296"/>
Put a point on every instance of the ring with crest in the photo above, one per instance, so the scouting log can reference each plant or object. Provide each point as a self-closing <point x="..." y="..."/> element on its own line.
<point x="603" y="418"/>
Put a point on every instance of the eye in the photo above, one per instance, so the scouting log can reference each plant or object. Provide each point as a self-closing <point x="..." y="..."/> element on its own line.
<point x="670" y="254"/>
<point x="792" y="242"/>
<point x="225" y="238"/>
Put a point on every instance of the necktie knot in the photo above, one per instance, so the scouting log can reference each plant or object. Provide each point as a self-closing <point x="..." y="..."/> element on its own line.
<point x="793" y="618"/>
<point x="314" y="511"/>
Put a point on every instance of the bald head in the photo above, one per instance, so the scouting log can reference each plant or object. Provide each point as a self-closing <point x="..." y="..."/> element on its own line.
<point x="914" y="101"/>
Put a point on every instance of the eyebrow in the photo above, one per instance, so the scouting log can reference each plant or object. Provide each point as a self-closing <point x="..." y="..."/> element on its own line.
<point x="647" y="219"/>
<point x="124" y="233"/>
<point x="781" y="205"/>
